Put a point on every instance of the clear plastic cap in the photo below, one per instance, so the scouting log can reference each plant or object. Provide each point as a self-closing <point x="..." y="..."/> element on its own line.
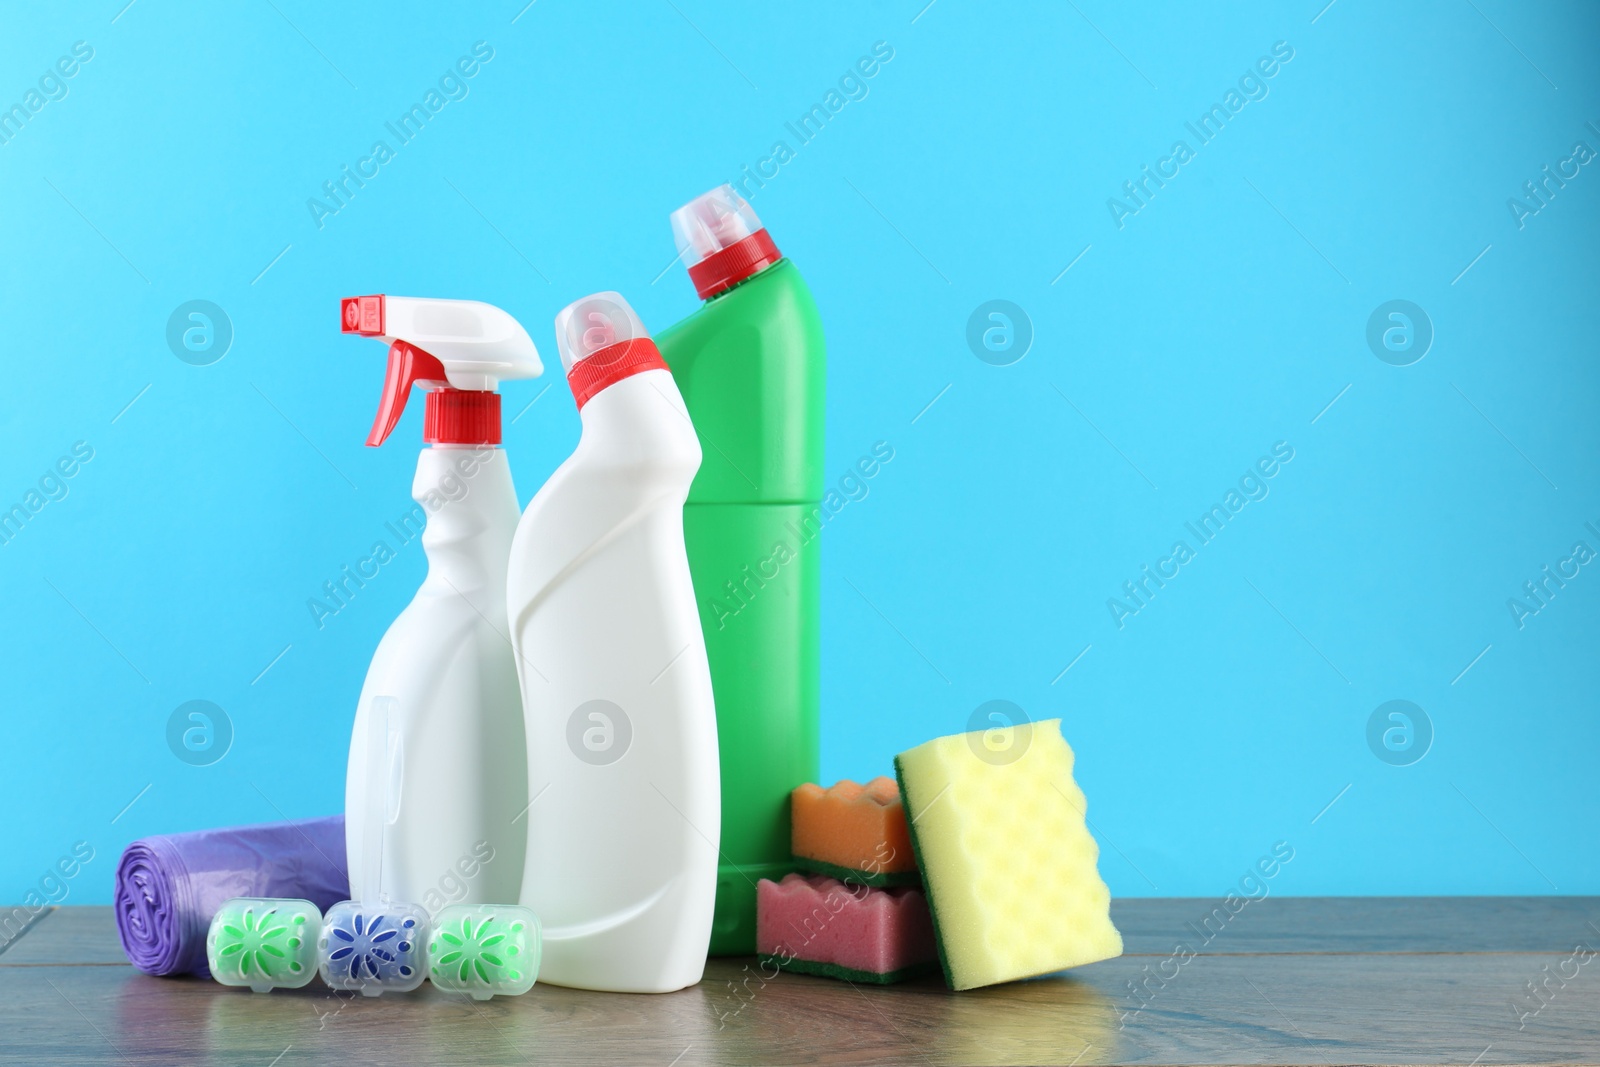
<point x="597" y="321"/>
<point x="711" y="222"/>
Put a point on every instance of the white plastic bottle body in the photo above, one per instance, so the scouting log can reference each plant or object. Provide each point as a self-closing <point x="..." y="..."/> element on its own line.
<point x="459" y="778"/>
<point x="621" y="727"/>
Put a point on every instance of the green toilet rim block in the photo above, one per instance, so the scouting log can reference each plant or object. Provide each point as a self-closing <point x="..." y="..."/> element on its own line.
<point x="265" y="943"/>
<point x="484" y="950"/>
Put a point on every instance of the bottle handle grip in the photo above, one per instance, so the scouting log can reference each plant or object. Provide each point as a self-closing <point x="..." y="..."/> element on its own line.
<point x="385" y="773"/>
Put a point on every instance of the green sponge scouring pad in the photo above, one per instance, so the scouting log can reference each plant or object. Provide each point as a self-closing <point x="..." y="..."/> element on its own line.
<point x="998" y="828"/>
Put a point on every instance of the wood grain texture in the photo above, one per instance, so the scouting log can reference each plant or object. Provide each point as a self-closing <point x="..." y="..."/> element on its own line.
<point x="1323" y="982"/>
<point x="68" y="935"/>
<point x="1360" y="924"/>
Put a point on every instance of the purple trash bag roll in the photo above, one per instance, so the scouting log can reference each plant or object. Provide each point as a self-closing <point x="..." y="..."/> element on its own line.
<point x="170" y="885"/>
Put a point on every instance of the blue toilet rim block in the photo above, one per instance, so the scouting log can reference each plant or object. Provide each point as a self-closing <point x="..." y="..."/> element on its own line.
<point x="374" y="948"/>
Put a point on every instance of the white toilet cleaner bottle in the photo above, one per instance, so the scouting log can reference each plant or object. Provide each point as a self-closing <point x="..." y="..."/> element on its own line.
<point x="621" y="728"/>
<point x="443" y="673"/>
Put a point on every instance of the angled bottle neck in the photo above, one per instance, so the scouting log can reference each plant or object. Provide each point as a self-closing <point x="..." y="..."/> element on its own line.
<point x="469" y="509"/>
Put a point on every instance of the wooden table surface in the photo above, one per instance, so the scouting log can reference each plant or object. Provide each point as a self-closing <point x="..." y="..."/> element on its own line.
<point x="1286" y="981"/>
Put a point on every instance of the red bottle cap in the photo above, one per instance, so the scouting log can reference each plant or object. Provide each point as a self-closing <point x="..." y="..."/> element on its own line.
<point x="461" y="417"/>
<point x="602" y="341"/>
<point x="609" y="365"/>
<point x="723" y="270"/>
<point x="721" y="240"/>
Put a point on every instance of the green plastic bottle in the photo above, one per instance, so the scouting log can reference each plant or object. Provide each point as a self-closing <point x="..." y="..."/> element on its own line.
<point x="751" y="366"/>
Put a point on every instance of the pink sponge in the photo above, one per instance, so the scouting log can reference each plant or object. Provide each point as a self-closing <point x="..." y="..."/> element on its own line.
<point x="819" y="925"/>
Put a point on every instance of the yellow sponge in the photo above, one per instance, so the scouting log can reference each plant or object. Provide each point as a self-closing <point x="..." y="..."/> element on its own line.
<point x="998" y="827"/>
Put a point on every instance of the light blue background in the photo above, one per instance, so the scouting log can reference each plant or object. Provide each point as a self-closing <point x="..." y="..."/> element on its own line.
<point x="1223" y="317"/>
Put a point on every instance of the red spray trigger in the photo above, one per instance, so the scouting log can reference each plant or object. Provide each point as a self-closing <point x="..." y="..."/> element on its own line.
<point x="408" y="364"/>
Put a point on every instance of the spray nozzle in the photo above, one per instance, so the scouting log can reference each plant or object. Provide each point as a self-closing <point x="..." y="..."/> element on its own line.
<point x="457" y="350"/>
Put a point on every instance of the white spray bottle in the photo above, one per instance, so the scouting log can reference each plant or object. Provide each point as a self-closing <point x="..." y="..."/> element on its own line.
<point x="621" y="728"/>
<point x="443" y="673"/>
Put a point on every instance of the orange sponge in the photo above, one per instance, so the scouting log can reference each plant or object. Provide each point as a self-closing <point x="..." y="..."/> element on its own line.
<point x="853" y="832"/>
